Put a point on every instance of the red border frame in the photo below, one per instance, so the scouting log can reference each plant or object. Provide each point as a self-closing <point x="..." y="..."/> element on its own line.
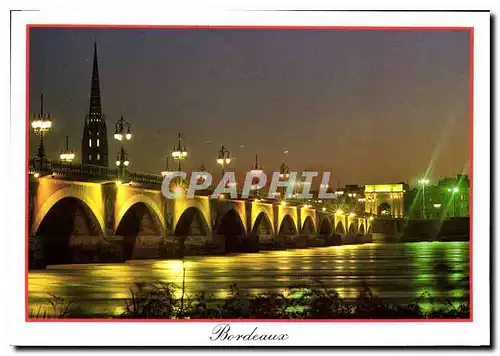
<point x="354" y="28"/>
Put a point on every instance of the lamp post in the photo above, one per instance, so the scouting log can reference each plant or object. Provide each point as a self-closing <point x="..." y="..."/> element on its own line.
<point x="423" y="182"/>
<point x="167" y="169"/>
<point x="223" y="157"/>
<point x="122" y="129"/>
<point x="256" y="170"/>
<point x="201" y="178"/>
<point x="453" y="191"/>
<point x="41" y="124"/>
<point x="179" y="153"/>
<point x="67" y="155"/>
<point x="284" y="173"/>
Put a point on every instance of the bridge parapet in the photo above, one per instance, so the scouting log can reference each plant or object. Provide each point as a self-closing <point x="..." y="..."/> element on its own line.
<point x="70" y="170"/>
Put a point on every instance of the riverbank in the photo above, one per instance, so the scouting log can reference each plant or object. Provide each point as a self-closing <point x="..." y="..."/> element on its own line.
<point x="160" y="301"/>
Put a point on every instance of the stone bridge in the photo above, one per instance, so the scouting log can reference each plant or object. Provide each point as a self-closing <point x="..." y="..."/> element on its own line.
<point x="76" y="222"/>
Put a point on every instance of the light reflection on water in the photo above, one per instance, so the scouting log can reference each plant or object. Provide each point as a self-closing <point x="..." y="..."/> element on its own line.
<point x="396" y="272"/>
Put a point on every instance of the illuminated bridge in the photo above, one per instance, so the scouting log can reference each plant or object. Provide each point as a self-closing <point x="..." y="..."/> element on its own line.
<point x="79" y="213"/>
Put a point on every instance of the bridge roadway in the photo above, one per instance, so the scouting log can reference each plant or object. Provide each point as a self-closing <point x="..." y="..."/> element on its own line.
<point x="78" y="214"/>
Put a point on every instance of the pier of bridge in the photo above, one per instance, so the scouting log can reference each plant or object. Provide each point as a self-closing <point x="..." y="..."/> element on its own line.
<point x="73" y="221"/>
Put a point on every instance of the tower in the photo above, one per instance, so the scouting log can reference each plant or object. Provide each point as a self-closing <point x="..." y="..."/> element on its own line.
<point x="95" y="139"/>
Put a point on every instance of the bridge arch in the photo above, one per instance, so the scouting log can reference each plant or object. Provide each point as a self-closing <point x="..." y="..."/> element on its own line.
<point x="325" y="227"/>
<point x="230" y="225"/>
<point x="308" y="226"/>
<point x="257" y="211"/>
<point x="352" y="228"/>
<point x="95" y="206"/>
<point x="148" y="202"/>
<point x="192" y="222"/>
<point x="287" y="226"/>
<point x="361" y="229"/>
<point x="262" y="224"/>
<point x="139" y="220"/>
<point x="384" y="209"/>
<point x="340" y="229"/>
<point x="67" y="219"/>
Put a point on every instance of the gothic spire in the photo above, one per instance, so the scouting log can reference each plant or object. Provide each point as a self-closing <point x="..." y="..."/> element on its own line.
<point x="95" y="93"/>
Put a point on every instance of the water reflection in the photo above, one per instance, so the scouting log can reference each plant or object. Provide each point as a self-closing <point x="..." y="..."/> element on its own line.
<point x="399" y="273"/>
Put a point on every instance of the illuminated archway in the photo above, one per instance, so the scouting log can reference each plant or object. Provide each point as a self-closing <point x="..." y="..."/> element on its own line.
<point x="191" y="223"/>
<point x="262" y="226"/>
<point x="231" y="227"/>
<point x="308" y="226"/>
<point x="384" y="209"/>
<point x="362" y="229"/>
<point x="287" y="226"/>
<point x="339" y="229"/>
<point x="325" y="227"/>
<point x="66" y="218"/>
<point x="90" y="195"/>
<point x="139" y="219"/>
<point x="148" y="202"/>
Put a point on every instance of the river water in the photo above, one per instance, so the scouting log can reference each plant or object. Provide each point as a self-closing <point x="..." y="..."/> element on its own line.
<point x="397" y="272"/>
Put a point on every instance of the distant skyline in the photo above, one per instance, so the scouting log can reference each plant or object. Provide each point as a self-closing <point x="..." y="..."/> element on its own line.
<point x="368" y="106"/>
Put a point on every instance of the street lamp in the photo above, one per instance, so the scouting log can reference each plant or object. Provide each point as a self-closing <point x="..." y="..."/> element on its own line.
<point x="41" y="124"/>
<point x="201" y="178"/>
<point x="122" y="129"/>
<point x="423" y="182"/>
<point x="256" y="170"/>
<point x="179" y="153"/>
<point x="67" y="155"/>
<point x="284" y="171"/>
<point x="453" y="191"/>
<point x="223" y="157"/>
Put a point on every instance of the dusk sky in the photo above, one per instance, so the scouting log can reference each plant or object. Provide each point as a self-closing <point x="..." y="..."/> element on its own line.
<point x="368" y="106"/>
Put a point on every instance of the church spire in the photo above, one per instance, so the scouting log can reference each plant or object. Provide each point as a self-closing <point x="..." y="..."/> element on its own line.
<point x="95" y="93"/>
<point x="94" y="139"/>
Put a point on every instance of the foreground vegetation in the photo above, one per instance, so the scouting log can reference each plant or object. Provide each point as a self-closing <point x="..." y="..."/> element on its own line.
<point x="160" y="301"/>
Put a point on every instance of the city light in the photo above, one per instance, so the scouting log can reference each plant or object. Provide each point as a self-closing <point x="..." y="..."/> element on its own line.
<point x="352" y="215"/>
<point x="178" y="191"/>
<point x="179" y="153"/>
<point x="122" y="127"/>
<point x="41" y="124"/>
<point x="423" y="182"/>
<point x="284" y="171"/>
<point x="323" y="209"/>
<point x="283" y="203"/>
<point x="36" y="175"/>
<point x="67" y="155"/>
<point x="339" y="212"/>
<point x="223" y="157"/>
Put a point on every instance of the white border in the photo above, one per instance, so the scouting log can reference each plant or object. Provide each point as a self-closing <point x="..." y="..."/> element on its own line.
<point x="314" y="334"/>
